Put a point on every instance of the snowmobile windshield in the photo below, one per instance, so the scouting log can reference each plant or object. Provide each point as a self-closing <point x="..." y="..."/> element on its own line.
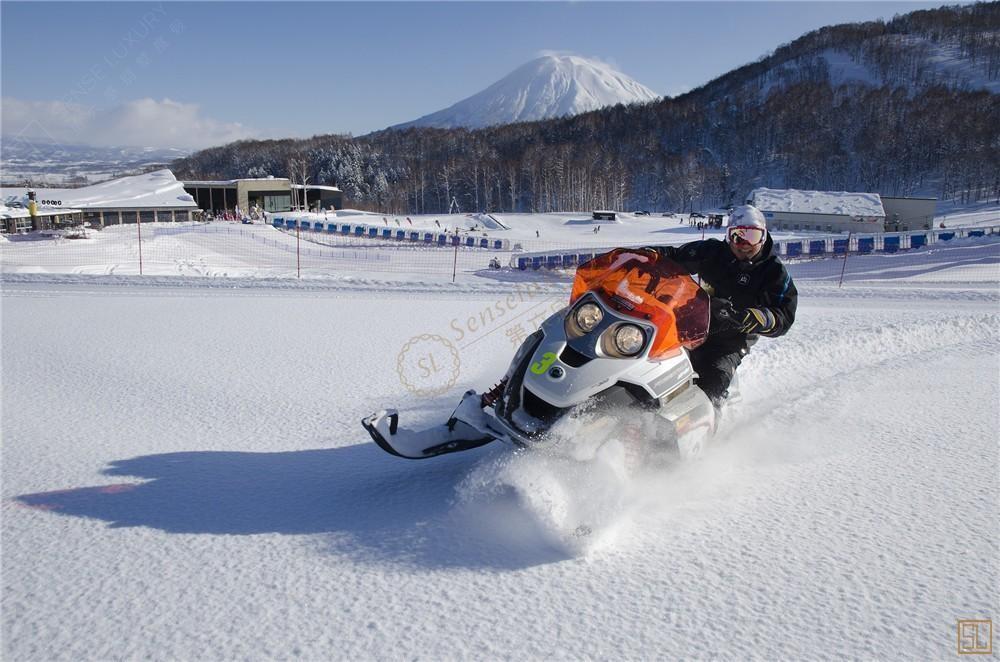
<point x="641" y="283"/>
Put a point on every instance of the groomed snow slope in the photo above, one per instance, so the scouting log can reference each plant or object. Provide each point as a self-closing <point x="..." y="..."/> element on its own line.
<point x="185" y="477"/>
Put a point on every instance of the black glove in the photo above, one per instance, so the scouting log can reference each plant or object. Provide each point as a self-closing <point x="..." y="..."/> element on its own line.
<point x="758" y="320"/>
<point x="724" y="316"/>
<point x="665" y="251"/>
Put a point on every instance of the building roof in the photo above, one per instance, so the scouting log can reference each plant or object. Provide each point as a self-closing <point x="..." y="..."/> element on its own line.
<point x="231" y="182"/>
<point x="234" y="182"/>
<point x="317" y="187"/>
<point x="153" y="190"/>
<point x="22" y="212"/>
<point x="841" y="203"/>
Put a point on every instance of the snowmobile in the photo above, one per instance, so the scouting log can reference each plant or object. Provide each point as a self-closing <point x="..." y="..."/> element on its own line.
<point x="620" y="346"/>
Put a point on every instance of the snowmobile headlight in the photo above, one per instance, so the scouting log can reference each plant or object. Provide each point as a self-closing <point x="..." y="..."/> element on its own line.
<point x="588" y="316"/>
<point x="629" y="339"/>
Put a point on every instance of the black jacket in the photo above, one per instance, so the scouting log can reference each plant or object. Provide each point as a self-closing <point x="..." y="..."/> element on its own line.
<point x="759" y="283"/>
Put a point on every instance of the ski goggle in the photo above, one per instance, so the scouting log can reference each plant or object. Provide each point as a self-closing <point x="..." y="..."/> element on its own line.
<point x="749" y="235"/>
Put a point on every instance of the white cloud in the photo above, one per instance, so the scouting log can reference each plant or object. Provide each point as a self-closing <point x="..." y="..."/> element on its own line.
<point x="138" y="123"/>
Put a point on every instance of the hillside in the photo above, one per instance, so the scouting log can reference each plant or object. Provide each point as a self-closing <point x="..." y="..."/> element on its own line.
<point x="904" y="107"/>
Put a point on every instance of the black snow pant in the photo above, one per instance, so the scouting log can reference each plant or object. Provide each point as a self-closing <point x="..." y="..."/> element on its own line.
<point x="716" y="364"/>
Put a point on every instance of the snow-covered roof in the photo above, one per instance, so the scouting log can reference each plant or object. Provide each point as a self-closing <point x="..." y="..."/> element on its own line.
<point x="231" y="182"/>
<point x="22" y="212"/>
<point x="841" y="203"/>
<point x="152" y="190"/>
<point x="317" y="187"/>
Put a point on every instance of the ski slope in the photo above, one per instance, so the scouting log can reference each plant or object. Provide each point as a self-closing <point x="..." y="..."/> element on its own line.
<point x="184" y="477"/>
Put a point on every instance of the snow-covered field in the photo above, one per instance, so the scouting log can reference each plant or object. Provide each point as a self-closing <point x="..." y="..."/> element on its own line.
<point x="185" y="478"/>
<point x="258" y="250"/>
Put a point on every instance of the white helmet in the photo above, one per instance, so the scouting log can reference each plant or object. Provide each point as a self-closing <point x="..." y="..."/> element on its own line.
<point x="748" y="223"/>
<point x="747" y="216"/>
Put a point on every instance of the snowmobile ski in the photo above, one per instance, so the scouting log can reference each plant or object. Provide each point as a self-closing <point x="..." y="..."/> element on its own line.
<point x="451" y="437"/>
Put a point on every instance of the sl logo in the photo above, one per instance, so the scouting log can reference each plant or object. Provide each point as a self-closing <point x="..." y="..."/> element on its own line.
<point x="539" y="367"/>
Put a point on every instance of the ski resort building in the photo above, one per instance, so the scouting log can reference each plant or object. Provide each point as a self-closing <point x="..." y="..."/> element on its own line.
<point x="148" y="198"/>
<point x="906" y="214"/>
<point x="156" y="197"/>
<point x="320" y="197"/>
<point x="16" y="218"/>
<point x="821" y="211"/>
<point x="272" y="194"/>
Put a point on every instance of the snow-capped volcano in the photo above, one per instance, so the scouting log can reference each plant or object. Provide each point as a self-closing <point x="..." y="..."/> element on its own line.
<point x="550" y="86"/>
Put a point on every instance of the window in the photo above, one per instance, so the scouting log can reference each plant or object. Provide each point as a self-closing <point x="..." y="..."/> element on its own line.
<point x="280" y="202"/>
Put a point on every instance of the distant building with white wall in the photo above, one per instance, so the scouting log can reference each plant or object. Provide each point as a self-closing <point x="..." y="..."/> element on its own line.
<point x="821" y="211"/>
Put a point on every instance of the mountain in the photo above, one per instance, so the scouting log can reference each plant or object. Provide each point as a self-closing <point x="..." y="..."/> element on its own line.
<point x="952" y="48"/>
<point x="44" y="162"/>
<point x="550" y="86"/>
<point x="905" y="107"/>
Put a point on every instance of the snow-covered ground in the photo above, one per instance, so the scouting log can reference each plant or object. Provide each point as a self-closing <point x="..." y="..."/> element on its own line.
<point x="227" y="249"/>
<point x="184" y="477"/>
<point x="563" y="227"/>
<point x="259" y="250"/>
<point x="956" y="216"/>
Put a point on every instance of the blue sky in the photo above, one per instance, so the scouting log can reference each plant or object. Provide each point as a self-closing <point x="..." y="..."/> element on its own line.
<point x="218" y="71"/>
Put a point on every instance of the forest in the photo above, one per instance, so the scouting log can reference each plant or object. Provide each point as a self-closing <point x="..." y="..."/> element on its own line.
<point x="780" y="122"/>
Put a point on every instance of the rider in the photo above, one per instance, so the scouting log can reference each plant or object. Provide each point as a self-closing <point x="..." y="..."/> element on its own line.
<point x="752" y="295"/>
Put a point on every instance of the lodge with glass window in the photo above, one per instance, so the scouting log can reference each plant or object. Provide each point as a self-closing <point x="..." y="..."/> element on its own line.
<point x="271" y="194"/>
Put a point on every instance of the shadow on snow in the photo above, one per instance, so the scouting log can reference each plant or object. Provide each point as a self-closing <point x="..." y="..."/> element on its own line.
<point x="372" y="507"/>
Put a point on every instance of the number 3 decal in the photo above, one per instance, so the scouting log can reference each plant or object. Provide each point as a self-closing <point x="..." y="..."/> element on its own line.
<point x="539" y="367"/>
